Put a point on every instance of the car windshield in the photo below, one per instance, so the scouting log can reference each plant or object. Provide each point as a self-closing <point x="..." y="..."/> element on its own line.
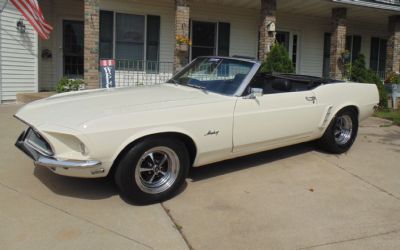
<point x="218" y="75"/>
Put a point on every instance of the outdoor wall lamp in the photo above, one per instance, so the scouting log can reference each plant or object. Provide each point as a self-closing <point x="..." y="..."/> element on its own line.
<point x="21" y="26"/>
<point x="271" y="27"/>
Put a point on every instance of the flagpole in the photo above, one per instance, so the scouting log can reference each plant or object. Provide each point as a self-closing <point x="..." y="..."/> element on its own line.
<point x="4" y="6"/>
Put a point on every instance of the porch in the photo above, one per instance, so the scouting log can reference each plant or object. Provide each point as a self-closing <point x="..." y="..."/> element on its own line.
<point x="140" y="35"/>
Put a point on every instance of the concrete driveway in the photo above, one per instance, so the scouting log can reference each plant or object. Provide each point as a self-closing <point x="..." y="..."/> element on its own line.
<point x="291" y="198"/>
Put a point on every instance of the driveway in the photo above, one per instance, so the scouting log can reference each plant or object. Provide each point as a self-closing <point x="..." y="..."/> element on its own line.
<point x="290" y="198"/>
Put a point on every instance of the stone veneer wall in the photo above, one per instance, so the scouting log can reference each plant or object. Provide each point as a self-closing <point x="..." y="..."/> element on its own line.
<point x="393" y="45"/>
<point x="338" y="41"/>
<point x="267" y="39"/>
<point x="91" y="43"/>
<point x="182" y="15"/>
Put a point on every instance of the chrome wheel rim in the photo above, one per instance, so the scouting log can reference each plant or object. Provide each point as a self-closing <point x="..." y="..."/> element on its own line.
<point x="343" y="129"/>
<point x="157" y="170"/>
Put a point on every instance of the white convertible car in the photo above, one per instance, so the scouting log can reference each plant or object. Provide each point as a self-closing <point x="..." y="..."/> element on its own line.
<point x="215" y="109"/>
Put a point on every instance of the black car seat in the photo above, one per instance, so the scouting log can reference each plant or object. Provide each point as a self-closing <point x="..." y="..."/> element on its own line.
<point x="281" y="85"/>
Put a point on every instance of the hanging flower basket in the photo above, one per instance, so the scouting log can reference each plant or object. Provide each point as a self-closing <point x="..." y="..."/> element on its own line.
<point x="182" y="43"/>
<point x="182" y="47"/>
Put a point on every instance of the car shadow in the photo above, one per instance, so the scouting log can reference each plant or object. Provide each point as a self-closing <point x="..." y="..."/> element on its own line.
<point x="91" y="189"/>
<point x="249" y="161"/>
<point x="102" y="188"/>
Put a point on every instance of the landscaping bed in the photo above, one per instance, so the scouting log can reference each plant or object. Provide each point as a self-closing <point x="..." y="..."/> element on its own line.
<point x="393" y="115"/>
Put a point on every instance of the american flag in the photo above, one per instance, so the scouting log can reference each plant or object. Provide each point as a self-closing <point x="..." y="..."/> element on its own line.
<point x="31" y="11"/>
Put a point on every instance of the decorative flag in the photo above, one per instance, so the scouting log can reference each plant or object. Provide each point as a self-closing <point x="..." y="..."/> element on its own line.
<point x="31" y="11"/>
<point x="107" y="73"/>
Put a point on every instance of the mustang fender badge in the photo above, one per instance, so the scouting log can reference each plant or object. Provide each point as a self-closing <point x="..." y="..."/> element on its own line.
<point x="215" y="132"/>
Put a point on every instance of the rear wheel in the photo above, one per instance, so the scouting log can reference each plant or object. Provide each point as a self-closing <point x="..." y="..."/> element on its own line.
<point x="153" y="170"/>
<point x="341" y="132"/>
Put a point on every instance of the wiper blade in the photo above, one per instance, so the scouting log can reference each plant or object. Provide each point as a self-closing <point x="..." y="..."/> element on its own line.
<point x="196" y="86"/>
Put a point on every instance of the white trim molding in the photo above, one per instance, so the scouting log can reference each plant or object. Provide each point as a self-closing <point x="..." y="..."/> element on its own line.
<point x="377" y="5"/>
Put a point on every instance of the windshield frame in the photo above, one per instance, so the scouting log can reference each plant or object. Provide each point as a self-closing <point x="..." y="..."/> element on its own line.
<point x="242" y="87"/>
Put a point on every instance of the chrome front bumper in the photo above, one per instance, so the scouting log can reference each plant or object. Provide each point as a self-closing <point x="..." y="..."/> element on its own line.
<point x="41" y="159"/>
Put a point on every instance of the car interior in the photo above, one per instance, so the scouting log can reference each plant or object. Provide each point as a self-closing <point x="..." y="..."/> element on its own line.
<point x="283" y="83"/>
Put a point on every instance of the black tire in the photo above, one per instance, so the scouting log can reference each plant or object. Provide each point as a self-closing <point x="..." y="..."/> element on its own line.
<point x="334" y="143"/>
<point x="137" y="186"/>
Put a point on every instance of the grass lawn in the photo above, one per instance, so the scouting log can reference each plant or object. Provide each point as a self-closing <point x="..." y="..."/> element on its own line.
<point x="389" y="115"/>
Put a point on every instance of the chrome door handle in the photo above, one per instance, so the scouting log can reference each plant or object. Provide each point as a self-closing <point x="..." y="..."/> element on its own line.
<point x="311" y="98"/>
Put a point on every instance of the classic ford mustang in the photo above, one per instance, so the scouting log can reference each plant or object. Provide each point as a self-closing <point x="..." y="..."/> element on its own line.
<point x="216" y="108"/>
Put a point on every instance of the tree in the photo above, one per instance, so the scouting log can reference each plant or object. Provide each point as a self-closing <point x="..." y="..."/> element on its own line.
<point x="277" y="61"/>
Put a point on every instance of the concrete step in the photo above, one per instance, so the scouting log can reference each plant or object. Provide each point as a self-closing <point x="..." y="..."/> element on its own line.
<point x="30" y="97"/>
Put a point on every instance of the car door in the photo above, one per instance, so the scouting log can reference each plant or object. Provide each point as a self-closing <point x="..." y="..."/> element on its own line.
<point x="275" y="119"/>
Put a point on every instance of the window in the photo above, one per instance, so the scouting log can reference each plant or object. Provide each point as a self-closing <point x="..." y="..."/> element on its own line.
<point x="130" y="39"/>
<point x="290" y="42"/>
<point x="378" y="55"/>
<point x="210" y="39"/>
<point x="283" y="38"/>
<point x="353" y="45"/>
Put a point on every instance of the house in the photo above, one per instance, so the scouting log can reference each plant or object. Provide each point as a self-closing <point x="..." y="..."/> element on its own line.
<point x="141" y="36"/>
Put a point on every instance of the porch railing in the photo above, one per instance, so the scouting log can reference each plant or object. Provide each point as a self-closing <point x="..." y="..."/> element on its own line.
<point x="134" y="73"/>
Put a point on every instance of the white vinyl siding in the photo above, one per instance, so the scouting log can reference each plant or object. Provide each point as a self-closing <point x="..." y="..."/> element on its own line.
<point x="18" y="55"/>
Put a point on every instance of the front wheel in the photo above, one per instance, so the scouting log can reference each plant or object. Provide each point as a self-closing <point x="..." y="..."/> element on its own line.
<point x="153" y="170"/>
<point x="341" y="132"/>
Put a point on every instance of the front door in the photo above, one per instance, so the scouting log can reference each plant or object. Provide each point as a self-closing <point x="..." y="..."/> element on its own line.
<point x="73" y="49"/>
<point x="275" y="119"/>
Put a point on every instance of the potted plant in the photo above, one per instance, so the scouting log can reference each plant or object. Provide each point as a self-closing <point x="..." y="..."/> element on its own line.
<point x="66" y="85"/>
<point x="392" y="86"/>
<point x="183" y="43"/>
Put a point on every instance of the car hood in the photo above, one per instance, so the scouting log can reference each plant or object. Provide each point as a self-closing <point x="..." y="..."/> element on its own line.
<point x="73" y="109"/>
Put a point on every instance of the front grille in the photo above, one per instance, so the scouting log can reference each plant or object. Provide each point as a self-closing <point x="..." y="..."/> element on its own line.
<point x="36" y="141"/>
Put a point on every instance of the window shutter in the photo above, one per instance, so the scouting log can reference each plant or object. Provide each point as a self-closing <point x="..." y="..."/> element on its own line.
<point x="153" y="38"/>
<point x="106" y="34"/>
<point x="224" y="31"/>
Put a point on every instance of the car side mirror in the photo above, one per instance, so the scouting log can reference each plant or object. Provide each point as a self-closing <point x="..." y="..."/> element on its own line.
<point x="254" y="93"/>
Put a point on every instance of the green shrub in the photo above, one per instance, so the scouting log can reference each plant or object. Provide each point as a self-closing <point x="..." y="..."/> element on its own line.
<point x="66" y="85"/>
<point x="360" y="73"/>
<point x="277" y="61"/>
<point x="383" y="95"/>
